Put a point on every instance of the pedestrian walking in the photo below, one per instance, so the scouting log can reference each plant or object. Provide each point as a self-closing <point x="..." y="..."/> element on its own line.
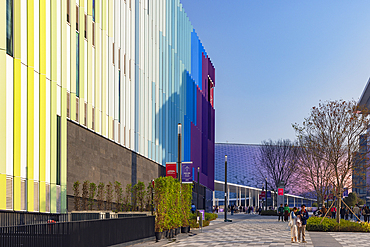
<point x="366" y="213"/>
<point x="357" y="212"/>
<point x="350" y="213"/>
<point x="286" y="212"/>
<point x="293" y="225"/>
<point x="346" y="213"/>
<point x="333" y="211"/>
<point x="323" y="211"/>
<point x="280" y="212"/>
<point x="302" y="229"/>
<point x="342" y="212"/>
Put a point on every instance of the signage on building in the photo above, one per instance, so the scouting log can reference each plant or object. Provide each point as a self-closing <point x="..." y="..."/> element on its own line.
<point x="263" y="193"/>
<point x="171" y="169"/>
<point x="187" y="172"/>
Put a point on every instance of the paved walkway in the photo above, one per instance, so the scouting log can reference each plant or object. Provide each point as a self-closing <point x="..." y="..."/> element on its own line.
<point x="255" y="230"/>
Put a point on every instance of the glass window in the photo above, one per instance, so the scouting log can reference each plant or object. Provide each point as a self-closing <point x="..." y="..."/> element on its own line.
<point x="9" y="27"/>
<point x="58" y="149"/>
<point x="93" y="10"/>
<point x="68" y="10"/>
<point x="77" y="18"/>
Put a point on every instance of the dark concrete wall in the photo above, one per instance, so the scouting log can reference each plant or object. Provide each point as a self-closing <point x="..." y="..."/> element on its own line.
<point x="97" y="159"/>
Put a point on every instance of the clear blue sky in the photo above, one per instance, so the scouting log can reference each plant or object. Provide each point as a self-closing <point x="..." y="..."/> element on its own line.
<point x="276" y="59"/>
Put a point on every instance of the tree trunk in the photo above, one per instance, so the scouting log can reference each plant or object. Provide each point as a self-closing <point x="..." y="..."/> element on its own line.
<point x="339" y="207"/>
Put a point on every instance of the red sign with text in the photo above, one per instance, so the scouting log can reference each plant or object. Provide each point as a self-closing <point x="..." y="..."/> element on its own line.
<point x="263" y="193"/>
<point x="280" y="191"/>
<point x="171" y="170"/>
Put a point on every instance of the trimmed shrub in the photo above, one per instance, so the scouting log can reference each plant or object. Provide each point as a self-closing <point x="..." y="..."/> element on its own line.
<point x="269" y="213"/>
<point x="330" y="225"/>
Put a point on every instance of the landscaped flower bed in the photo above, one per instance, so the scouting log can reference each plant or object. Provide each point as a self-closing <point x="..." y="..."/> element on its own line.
<point x="330" y="225"/>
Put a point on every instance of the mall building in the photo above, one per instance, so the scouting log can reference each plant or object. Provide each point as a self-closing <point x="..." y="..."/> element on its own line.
<point x="94" y="90"/>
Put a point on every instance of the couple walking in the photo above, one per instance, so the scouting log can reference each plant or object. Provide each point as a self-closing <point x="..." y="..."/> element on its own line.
<point x="297" y="223"/>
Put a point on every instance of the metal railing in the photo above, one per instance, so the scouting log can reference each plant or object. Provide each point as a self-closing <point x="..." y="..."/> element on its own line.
<point x="79" y="233"/>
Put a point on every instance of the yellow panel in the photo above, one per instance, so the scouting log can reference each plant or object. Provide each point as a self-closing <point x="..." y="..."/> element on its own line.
<point x="2" y="191"/>
<point x="89" y="7"/>
<point x="53" y="108"/>
<point x="2" y="113"/>
<point x="2" y="119"/>
<point x="30" y="105"/>
<point x="110" y="127"/>
<point x="42" y="131"/>
<point x="2" y="27"/>
<point x="110" y="18"/>
<point x="17" y="135"/>
<point x="17" y="29"/>
<point x="104" y="86"/>
<point x="30" y="137"/>
<point x="97" y="11"/>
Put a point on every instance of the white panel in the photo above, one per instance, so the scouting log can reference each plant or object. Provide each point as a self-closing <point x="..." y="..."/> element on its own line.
<point x="36" y="126"/>
<point x="85" y="6"/>
<point x="23" y="121"/>
<point x="68" y="58"/>
<point x="59" y="52"/>
<point x="59" y="102"/>
<point x="24" y="31"/>
<point x="77" y="2"/>
<point x="9" y="115"/>
<point x="48" y="55"/>
<point x="48" y="141"/>
<point x="85" y="71"/>
<point x="37" y="36"/>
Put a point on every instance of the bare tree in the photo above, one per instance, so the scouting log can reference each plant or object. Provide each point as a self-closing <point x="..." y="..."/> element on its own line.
<point x="314" y="171"/>
<point x="334" y="129"/>
<point x="276" y="162"/>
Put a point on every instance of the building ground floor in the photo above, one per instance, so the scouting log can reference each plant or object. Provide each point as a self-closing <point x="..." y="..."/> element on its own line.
<point x="241" y="195"/>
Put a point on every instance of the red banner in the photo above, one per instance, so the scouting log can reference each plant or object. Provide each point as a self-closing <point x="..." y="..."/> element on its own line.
<point x="171" y="170"/>
<point x="280" y="191"/>
<point x="263" y="193"/>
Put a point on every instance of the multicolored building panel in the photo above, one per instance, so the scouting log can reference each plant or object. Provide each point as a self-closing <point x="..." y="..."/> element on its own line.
<point x="127" y="70"/>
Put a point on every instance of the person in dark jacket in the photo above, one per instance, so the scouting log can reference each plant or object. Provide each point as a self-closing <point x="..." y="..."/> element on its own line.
<point x="302" y="229"/>
<point x="342" y="212"/>
<point x="280" y="212"/>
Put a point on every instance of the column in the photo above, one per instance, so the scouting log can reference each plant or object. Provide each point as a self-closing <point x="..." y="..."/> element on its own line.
<point x="245" y="197"/>
<point x="249" y="197"/>
<point x="240" y="196"/>
<point x="214" y="199"/>
<point x="294" y="201"/>
<point x="228" y="196"/>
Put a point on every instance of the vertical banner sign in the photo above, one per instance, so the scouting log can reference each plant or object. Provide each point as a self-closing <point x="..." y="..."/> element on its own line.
<point x="262" y="195"/>
<point x="186" y="172"/>
<point x="268" y="194"/>
<point x="171" y="169"/>
<point x="281" y="192"/>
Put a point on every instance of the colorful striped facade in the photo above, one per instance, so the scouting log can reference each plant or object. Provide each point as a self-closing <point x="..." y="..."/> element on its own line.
<point x="128" y="70"/>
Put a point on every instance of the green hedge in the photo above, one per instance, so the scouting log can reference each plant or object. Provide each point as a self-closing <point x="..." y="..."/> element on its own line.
<point x="269" y="212"/>
<point x="330" y="225"/>
<point x="208" y="217"/>
<point x="172" y="204"/>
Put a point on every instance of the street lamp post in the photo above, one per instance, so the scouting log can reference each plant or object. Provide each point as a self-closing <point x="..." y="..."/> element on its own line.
<point x="179" y="152"/>
<point x="226" y="202"/>
<point x="266" y="193"/>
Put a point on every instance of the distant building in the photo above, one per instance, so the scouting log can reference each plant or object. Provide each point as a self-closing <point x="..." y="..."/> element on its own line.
<point x="243" y="186"/>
